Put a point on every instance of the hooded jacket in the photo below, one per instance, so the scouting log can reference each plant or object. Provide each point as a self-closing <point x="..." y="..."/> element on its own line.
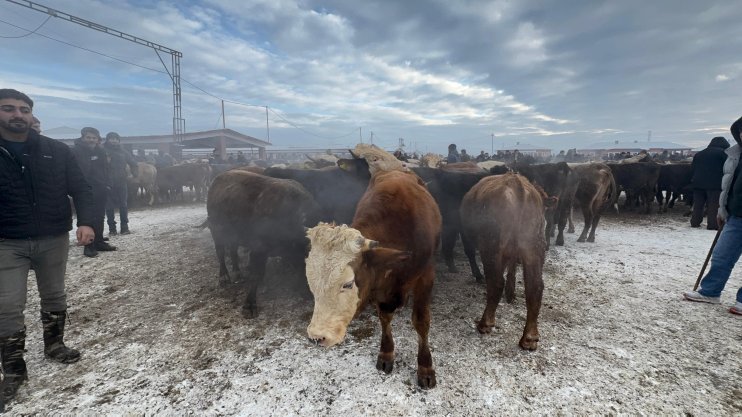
<point x="34" y="190"/>
<point x="93" y="163"/>
<point x="707" y="165"/>
<point x="730" y="166"/>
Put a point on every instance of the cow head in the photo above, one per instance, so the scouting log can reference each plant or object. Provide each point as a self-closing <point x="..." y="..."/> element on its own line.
<point x="339" y="264"/>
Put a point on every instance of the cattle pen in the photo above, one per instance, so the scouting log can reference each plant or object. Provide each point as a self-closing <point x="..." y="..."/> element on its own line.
<point x="159" y="335"/>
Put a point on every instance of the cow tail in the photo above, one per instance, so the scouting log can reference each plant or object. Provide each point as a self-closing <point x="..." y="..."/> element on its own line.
<point x="203" y="225"/>
<point x="613" y="196"/>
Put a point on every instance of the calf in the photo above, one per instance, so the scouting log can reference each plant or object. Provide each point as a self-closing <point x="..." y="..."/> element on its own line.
<point x="503" y="216"/>
<point x="264" y="215"/>
<point x="597" y="190"/>
<point x="346" y="271"/>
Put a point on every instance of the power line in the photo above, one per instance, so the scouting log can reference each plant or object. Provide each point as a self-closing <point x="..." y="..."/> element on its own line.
<point x="30" y="32"/>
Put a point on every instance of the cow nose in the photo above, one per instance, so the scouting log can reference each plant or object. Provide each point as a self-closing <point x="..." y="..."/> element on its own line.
<point x="318" y="340"/>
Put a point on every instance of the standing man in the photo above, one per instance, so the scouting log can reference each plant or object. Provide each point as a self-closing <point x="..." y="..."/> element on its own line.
<point x="707" y="170"/>
<point x="37" y="174"/>
<point x="93" y="163"/>
<point x="118" y="158"/>
<point x="728" y="248"/>
<point x="453" y="154"/>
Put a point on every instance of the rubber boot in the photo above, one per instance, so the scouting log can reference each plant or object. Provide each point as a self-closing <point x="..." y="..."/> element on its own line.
<point x="90" y="251"/>
<point x="13" y="366"/>
<point x="54" y="347"/>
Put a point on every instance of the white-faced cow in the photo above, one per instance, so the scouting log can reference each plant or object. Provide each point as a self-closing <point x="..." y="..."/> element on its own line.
<point x="346" y="271"/>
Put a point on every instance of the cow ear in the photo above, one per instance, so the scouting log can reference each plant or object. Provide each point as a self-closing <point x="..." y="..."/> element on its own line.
<point x="550" y="202"/>
<point x="386" y="258"/>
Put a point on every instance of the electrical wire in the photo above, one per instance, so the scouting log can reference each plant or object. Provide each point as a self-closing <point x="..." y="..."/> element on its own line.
<point x="30" y="32"/>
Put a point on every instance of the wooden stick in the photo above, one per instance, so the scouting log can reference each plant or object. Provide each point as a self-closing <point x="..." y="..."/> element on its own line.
<point x="708" y="257"/>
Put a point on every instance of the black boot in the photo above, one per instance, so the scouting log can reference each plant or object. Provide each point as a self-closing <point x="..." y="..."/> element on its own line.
<point x="112" y="230"/>
<point x="90" y="251"/>
<point x="104" y="247"/>
<point x="125" y="229"/>
<point x="14" y="367"/>
<point x="54" y="347"/>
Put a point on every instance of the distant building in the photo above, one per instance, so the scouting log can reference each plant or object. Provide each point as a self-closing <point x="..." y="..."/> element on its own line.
<point x="609" y="149"/>
<point x="526" y="149"/>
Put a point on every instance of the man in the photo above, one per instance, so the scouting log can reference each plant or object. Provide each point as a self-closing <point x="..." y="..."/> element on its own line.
<point x="453" y="154"/>
<point x="37" y="174"/>
<point x="164" y="160"/>
<point x="93" y="163"/>
<point x="464" y="157"/>
<point x="118" y="158"/>
<point x="728" y="248"/>
<point x="707" y="170"/>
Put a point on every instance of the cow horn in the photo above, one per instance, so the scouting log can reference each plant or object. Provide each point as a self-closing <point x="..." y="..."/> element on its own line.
<point x="353" y="154"/>
<point x="309" y="157"/>
<point x="366" y="244"/>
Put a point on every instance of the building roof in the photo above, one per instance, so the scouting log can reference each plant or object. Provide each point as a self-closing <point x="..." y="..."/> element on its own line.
<point x="523" y="147"/>
<point x="203" y="139"/>
<point x="634" y="145"/>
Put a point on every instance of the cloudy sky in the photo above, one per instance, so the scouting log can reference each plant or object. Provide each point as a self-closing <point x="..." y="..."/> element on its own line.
<point x="557" y="73"/>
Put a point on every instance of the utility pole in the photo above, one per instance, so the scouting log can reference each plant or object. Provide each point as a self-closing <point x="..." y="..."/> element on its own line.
<point x="649" y="136"/>
<point x="492" y="149"/>
<point x="267" y="126"/>
<point x="372" y="138"/>
<point x="174" y="73"/>
<point x="360" y="134"/>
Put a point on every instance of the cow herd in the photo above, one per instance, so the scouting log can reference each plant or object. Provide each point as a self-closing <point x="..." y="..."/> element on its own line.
<point x="366" y="232"/>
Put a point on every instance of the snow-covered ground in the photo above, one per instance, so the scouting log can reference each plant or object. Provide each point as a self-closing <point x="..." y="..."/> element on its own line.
<point x="159" y="336"/>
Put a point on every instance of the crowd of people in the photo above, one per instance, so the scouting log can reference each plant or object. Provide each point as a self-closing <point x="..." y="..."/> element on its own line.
<point x="38" y="175"/>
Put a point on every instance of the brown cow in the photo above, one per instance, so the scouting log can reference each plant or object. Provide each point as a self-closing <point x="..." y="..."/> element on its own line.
<point x="346" y="271"/>
<point x="146" y="179"/>
<point x="266" y="216"/>
<point x="174" y="178"/>
<point x="597" y="190"/>
<point x="503" y="216"/>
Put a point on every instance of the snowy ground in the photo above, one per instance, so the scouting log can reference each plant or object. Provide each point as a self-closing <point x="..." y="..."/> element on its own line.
<point x="158" y="335"/>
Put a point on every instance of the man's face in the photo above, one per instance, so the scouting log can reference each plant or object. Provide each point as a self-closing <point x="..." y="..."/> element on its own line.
<point x="90" y="139"/>
<point x="15" y="115"/>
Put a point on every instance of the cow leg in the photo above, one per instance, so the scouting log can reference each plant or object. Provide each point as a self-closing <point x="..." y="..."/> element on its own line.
<point x="448" y="241"/>
<point x="385" y="360"/>
<point x="562" y="223"/>
<point x="471" y="254"/>
<point x="510" y="283"/>
<point x="596" y="218"/>
<point x="421" y="322"/>
<point x="648" y="200"/>
<point x="493" y="273"/>
<point x="256" y="268"/>
<point x="534" y="287"/>
<point x="223" y="273"/>
<point x="588" y="215"/>
<point x="571" y="228"/>
<point x="235" y="257"/>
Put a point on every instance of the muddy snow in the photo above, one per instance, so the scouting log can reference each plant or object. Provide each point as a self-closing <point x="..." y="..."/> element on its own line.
<point x="160" y="336"/>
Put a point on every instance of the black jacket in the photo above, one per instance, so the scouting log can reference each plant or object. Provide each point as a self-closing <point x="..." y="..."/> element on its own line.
<point x="93" y="164"/>
<point x="118" y="159"/>
<point x="34" y="191"/>
<point x="707" y="166"/>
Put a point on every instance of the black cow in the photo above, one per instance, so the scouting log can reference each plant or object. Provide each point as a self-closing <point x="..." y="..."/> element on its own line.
<point x="674" y="180"/>
<point x="639" y="181"/>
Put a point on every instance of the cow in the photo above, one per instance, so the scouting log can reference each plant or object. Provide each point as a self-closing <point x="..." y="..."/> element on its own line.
<point x="336" y="190"/>
<point x="146" y="180"/>
<point x="638" y="180"/>
<point x="596" y="191"/>
<point x="557" y="180"/>
<point x="172" y="179"/>
<point x="386" y="255"/>
<point x="674" y="179"/>
<point x="503" y="217"/>
<point x="266" y="216"/>
<point x="463" y="167"/>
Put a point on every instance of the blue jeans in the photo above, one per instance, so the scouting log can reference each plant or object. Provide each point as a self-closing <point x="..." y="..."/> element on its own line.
<point x="726" y="253"/>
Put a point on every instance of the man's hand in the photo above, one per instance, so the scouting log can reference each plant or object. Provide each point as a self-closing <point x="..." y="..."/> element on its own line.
<point x="85" y="235"/>
<point x="720" y="222"/>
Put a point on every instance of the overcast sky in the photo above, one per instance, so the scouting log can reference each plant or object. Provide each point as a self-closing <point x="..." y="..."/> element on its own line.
<point x="545" y="72"/>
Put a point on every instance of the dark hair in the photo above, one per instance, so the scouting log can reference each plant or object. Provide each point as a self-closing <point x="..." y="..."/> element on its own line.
<point x="86" y="130"/>
<point x="10" y="93"/>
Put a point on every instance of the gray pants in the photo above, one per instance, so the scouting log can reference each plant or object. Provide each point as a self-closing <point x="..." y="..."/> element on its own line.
<point x="48" y="258"/>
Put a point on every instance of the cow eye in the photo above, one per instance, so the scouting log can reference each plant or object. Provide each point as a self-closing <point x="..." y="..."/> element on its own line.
<point x="348" y="285"/>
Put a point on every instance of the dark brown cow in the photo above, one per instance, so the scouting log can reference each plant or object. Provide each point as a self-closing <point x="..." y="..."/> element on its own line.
<point x="673" y="180"/>
<point x="639" y="181"/>
<point x="597" y="190"/>
<point x="171" y="180"/>
<point x="504" y="218"/>
<point x="266" y="216"/>
<point x="345" y="271"/>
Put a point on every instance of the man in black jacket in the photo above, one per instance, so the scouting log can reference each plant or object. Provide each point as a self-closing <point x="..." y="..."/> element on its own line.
<point x="118" y="158"/>
<point x="93" y="163"/>
<point x="706" y="182"/>
<point x="37" y="174"/>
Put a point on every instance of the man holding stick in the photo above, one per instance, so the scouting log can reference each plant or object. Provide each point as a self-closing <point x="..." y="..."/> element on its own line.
<point x="728" y="248"/>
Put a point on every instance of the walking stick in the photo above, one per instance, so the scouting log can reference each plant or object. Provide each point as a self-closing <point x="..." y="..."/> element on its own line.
<point x="711" y="249"/>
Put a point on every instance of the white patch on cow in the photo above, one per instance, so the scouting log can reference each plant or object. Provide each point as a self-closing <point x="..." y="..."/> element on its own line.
<point x="332" y="280"/>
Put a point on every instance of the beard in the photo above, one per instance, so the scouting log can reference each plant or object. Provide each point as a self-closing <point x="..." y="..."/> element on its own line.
<point x="16" y="126"/>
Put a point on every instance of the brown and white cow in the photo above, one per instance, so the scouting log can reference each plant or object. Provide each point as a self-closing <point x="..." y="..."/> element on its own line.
<point x="383" y="258"/>
<point x="504" y="217"/>
<point x="146" y="180"/>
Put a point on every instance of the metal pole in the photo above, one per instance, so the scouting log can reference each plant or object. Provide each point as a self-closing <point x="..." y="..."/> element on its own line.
<point x="267" y="127"/>
<point x="224" y="121"/>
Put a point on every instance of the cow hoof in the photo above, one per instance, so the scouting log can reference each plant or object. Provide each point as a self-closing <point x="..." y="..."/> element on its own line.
<point x="484" y="328"/>
<point x="250" y="312"/>
<point x="385" y="362"/>
<point x="224" y="280"/>
<point x="510" y="298"/>
<point x="591" y="239"/>
<point x="570" y="230"/>
<point x="560" y="242"/>
<point x="426" y="378"/>
<point x="528" y="343"/>
<point x="479" y="278"/>
<point x="582" y="239"/>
